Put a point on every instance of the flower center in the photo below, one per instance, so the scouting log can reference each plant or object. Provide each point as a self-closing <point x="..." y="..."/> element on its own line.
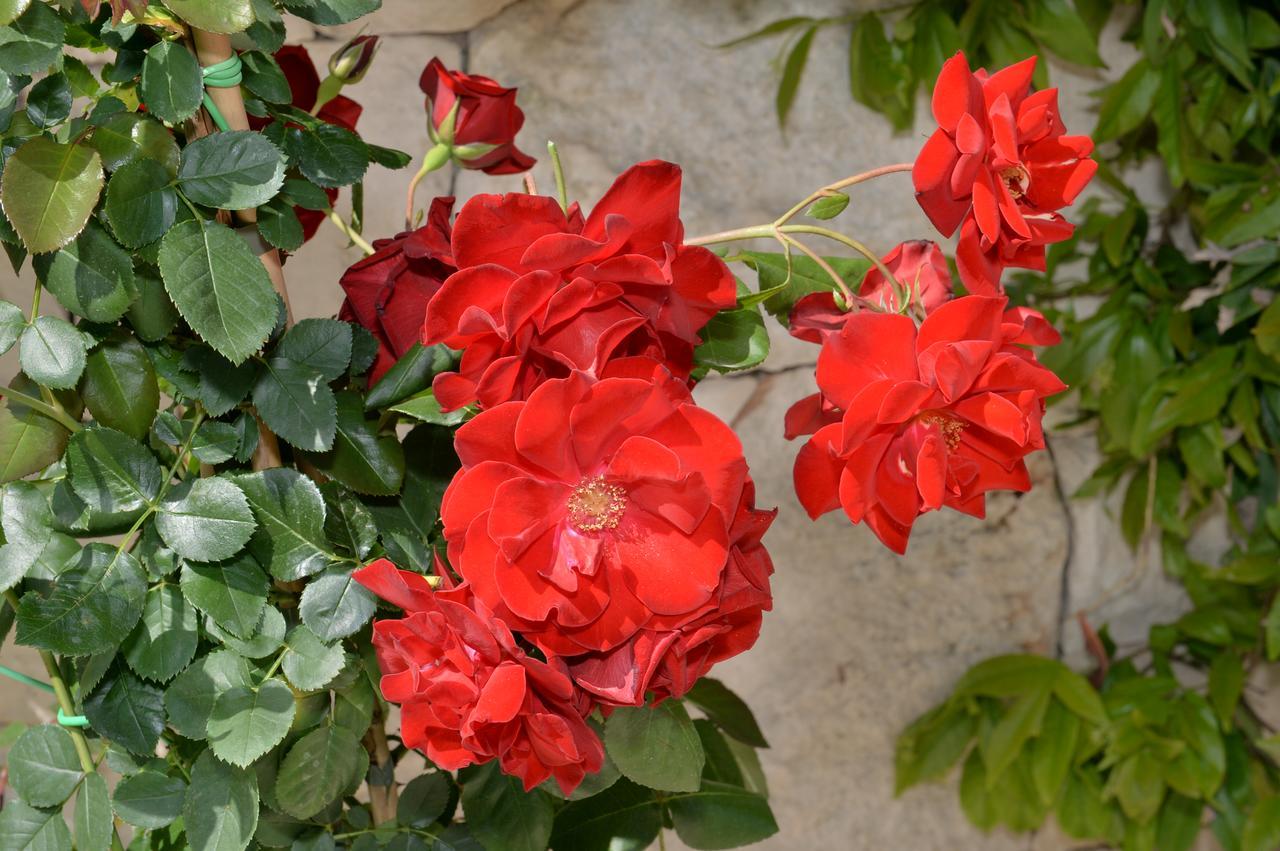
<point x="596" y="505"/>
<point x="947" y="424"/>
<point x="1016" y="179"/>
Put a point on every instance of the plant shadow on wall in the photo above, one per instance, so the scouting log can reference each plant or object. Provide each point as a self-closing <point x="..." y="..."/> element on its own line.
<point x="1172" y="351"/>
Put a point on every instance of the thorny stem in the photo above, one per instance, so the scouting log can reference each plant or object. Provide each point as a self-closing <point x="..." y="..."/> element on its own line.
<point x="356" y="238"/>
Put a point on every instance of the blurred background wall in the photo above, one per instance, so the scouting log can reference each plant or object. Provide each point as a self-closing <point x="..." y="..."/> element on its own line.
<point x="861" y="641"/>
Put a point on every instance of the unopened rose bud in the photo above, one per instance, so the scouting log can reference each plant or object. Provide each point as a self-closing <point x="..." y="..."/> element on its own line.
<point x="350" y="62"/>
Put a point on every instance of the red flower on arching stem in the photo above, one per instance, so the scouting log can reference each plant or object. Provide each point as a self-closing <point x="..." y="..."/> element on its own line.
<point x="387" y="292"/>
<point x="540" y="293"/>
<point x="304" y="83"/>
<point x="467" y="692"/>
<point x="485" y="119"/>
<point x="919" y="267"/>
<point x="933" y="416"/>
<point x="999" y="167"/>
<point x="598" y="513"/>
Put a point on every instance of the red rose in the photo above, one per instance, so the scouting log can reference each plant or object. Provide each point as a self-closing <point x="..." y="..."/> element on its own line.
<point x="1001" y="165"/>
<point x="595" y="510"/>
<point x="539" y="294"/>
<point x="304" y="83"/>
<point x="387" y="292"/>
<point x="484" y="123"/>
<point x="932" y="417"/>
<point x="667" y="662"/>
<point x="468" y="693"/>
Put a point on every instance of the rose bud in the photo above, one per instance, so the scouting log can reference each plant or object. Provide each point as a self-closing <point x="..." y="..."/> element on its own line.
<point x="475" y="119"/>
<point x="350" y="62"/>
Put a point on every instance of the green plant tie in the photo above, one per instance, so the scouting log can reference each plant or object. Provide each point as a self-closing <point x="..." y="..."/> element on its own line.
<point x="224" y="75"/>
<point x="63" y="719"/>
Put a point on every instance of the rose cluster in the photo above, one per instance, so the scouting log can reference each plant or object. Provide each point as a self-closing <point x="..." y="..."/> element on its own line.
<point x="911" y="417"/>
<point x="603" y="543"/>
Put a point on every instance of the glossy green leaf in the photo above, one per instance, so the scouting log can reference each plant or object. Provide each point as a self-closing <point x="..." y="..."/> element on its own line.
<point x="206" y="519"/>
<point x="721" y="816"/>
<point x="111" y="471"/>
<point x="624" y="817"/>
<point x="189" y="698"/>
<point x="29" y="441"/>
<point x="164" y="641"/>
<point x="362" y="459"/>
<point x="322" y="344"/>
<point x="129" y="136"/>
<point x="330" y="156"/>
<point x="93" y="819"/>
<point x="332" y="12"/>
<point x="25" y="828"/>
<point x="52" y="352"/>
<point x="316" y="770"/>
<point x="152" y="313"/>
<point x="931" y="745"/>
<point x="279" y="226"/>
<point x="92" y="605"/>
<point x="120" y="388"/>
<point x="232" y="592"/>
<point x="225" y="16"/>
<point x="48" y="189"/>
<point x="221" y="810"/>
<point x="310" y="663"/>
<point x="92" y="277"/>
<point x="290" y="513"/>
<point x="127" y="711"/>
<point x="172" y="86"/>
<point x="792" y="71"/>
<point x="1060" y="28"/>
<point x="729" y="712"/>
<point x="423" y="799"/>
<point x="1127" y="102"/>
<point x="149" y="799"/>
<point x="247" y="722"/>
<point x="49" y="101"/>
<point x="501" y="814"/>
<point x="31" y="540"/>
<point x="296" y="403"/>
<point x="334" y="605"/>
<point x="656" y="746"/>
<point x="265" y="639"/>
<point x="43" y="766"/>
<point x="141" y="204"/>
<point x="234" y="170"/>
<point x="409" y="375"/>
<point x="31" y="43"/>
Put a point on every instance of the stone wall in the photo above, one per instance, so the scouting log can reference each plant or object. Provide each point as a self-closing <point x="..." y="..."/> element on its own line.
<point x="861" y="640"/>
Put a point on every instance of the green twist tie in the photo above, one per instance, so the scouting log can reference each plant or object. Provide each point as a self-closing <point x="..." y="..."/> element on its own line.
<point x="63" y="719"/>
<point x="226" y="74"/>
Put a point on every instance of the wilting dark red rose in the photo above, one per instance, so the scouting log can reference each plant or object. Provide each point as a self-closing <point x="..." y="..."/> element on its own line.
<point x="467" y="692"/>
<point x="999" y="167"/>
<point x="539" y="293"/>
<point x="304" y="83"/>
<point x="931" y="417"/>
<point x="387" y="292"/>
<point x="477" y="117"/>
<point x="596" y="511"/>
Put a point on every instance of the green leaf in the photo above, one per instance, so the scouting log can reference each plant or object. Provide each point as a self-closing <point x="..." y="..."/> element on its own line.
<point x="877" y="76"/>
<point x="120" y="387"/>
<point x="49" y="101"/>
<point x="789" y="282"/>
<point x="792" y="71"/>
<point x="33" y="42"/>
<point x="30" y="538"/>
<point x="12" y="321"/>
<point x="149" y="799"/>
<point x="334" y="605"/>
<point x="52" y="352"/>
<point x="936" y="40"/>
<point x="317" y="769"/>
<point x="305" y="194"/>
<point x="310" y="663"/>
<point x="266" y="639"/>
<point x="656" y="746"/>
<point x="1138" y="785"/>
<point x="219" y="287"/>
<point x="223" y="385"/>
<point x="221" y="810"/>
<point x="127" y="711"/>
<point x="1078" y="695"/>
<point x="409" y="375"/>
<point x="501" y="814"/>
<point x="329" y="156"/>
<point x="25" y="828"/>
<point x="290" y="511"/>
<point x="93" y="820"/>
<point x="931" y="745"/>
<point x="721" y="816"/>
<point x="152" y="314"/>
<point x="231" y="592"/>
<point x="111" y="471"/>
<point x="733" y="340"/>
<point x="624" y="817"/>
<point x="29" y="441"/>
<point x="141" y="205"/>
<point x="247" y="722"/>
<point x="48" y="189"/>
<point x="233" y="170"/>
<point x="93" y="604"/>
<point x="1127" y="102"/>
<point x="92" y="277"/>
<point x="1021" y="722"/>
<point x="362" y="459"/>
<point x="423" y="799"/>
<point x="322" y="344"/>
<point x="1060" y="28"/>
<point x="172" y="86"/>
<point x="426" y="408"/>
<point x="729" y="712"/>
<point x="164" y="641"/>
<point x="348" y="522"/>
<point x="1226" y="684"/>
<point x="1262" y="830"/>
<point x="828" y="206"/>
<point x="206" y="519"/>
<point x="1179" y="823"/>
<point x="263" y="77"/>
<point x="225" y="16"/>
<point x="189" y="698"/>
<point x="279" y="225"/>
<point x="332" y="12"/>
<point x="1053" y="750"/>
<point x="297" y="404"/>
<point x="130" y="136"/>
<point x="770" y="29"/>
<point x="43" y="766"/>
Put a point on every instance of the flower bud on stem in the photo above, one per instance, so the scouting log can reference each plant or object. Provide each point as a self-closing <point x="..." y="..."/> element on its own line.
<point x="436" y="158"/>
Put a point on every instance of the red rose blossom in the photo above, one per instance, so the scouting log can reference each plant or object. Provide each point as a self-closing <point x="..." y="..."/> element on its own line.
<point x="539" y="293"/>
<point x="933" y="416"/>
<point x="602" y="512"/>
<point x="999" y="166"/>
<point x="387" y="292"/>
<point x="485" y="123"/>
<point x="468" y="693"/>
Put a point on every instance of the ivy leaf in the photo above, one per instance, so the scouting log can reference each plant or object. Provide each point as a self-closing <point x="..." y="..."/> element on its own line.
<point x="149" y="799"/>
<point x="310" y="663"/>
<point x="362" y="459"/>
<point x="92" y="277"/>
<point x="43" y="766"/>
<point x="127" y="711"/>
<point x="172" y="86"/>
<point x="141" y="205"/>
<point x="329" y="156"/>
<point x="233" y="170"/>
<point x="501" y="814"/>
<point x="721" y="816"/>
<point x="290" y="512"/>
<point x="33" y="42"/>
<point x="334" y="605"/>
<point x="656" y="746"/>
<point x="206" y="519"/>
<point x="49" y="189"/>
<point x="247" y="722"/>
<point x="120" y="387"/>
<point x="189" y="698"/>
<point x="91" y="607"/>
<point x="221" y="810"/>
<point x="165" y="639"/>
<point x="317" y="769"/>
<point x="93" y="819"/>
<point x="232" y="592"/>
<point x="111" y="471"/>
<point x="219" y="287"/>
<point x="225" y="16"/>
<point x="297" y="404"/>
